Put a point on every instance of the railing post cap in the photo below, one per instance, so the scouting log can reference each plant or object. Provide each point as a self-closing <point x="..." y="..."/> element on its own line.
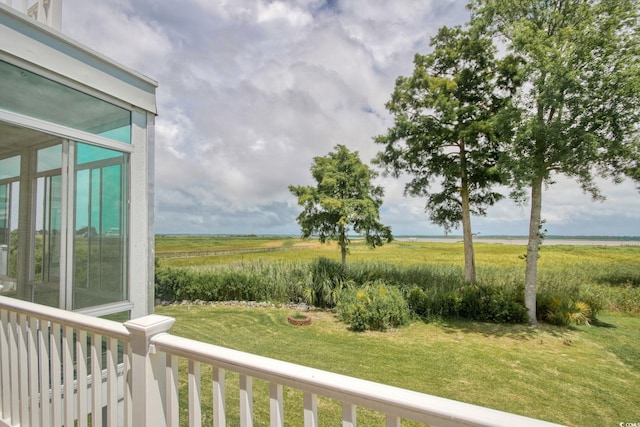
<point x="150" y="325"/>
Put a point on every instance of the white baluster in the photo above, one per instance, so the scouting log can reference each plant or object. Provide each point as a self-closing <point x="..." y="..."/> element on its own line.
<point x="173" y="418"/>
<point x="393" y="421"/>
<point x="219" y="414"/>
<point x="246" y="401"/>
<point x="5" y="364"/>
<point x="112" y="382"/>
<point x="12" y="333"/>
<point x="67" y="370"/>
<point x="34" y="389"/>
<point x="310" y="410"/>
<point x="56" y="374"/>
<point x="195" y="411"/>
<point x="96" y="380"/>
<point x="81" y="378"/>
<point x="348" y="415"/>
<point x="23" y="368"/>
<point x="276" y="404"/>
<point x="44" y="361"/>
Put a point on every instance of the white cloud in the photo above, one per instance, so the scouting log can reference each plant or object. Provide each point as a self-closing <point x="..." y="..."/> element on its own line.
<point x="251" y="90"/>
<point x="279" y="11"/>
<point x="120" y="31"/>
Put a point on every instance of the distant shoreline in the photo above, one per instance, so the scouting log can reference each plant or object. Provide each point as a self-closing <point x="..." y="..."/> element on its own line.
<point x="507" y="240"/>
<point x="523" y="240"/>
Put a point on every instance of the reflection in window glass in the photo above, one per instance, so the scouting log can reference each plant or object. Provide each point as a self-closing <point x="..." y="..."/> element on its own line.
<point x="49" y="158"/>
<point x="27" y="93"/>
<point x="10" y="167"/>
<point x="9" y="202"/>
<point x="46" y="269"/>
<point x="100" y="267"/>
<point x="90" y="153"/>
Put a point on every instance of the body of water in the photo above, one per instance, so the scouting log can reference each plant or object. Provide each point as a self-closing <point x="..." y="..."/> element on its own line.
<point x="522" y="240"/>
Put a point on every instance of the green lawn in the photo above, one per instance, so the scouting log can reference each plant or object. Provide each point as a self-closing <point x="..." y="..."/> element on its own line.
<point x="582" y="376"/>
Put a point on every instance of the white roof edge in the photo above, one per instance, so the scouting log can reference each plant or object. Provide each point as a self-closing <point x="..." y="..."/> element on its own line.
<point x="76" y="53"/>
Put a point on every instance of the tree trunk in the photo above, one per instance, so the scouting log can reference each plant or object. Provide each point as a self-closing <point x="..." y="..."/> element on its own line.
<point x="531" y="272"/>
<point x="469" y="257"/>
<point x="343" y="246"/>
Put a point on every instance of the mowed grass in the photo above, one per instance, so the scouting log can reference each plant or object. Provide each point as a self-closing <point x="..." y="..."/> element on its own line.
<point x="579" y="376"/>
<point x="582" y="376"/>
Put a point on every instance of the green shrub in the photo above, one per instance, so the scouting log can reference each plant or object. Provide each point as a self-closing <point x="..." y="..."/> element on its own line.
<point x="431" y="291"/>
<point x="476" y="302"/>
<point x="595" y="297"/>
<point x="168" y="280"/>
<point x="376" y="307"/>
<point x="492" y="304"/>
<point x="624" y="299"/>
<point x="321" y="287"/>
<point x="432" y="305"/>
<point x="226" y="284"/>
<point x="426" y="277"/>
<point x="562" y="311"/>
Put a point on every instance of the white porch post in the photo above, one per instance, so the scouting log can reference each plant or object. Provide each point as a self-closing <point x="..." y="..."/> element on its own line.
<point x="148" y="370"/>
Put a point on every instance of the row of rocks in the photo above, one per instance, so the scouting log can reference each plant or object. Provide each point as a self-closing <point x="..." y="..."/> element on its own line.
<point x="266" y="304"/>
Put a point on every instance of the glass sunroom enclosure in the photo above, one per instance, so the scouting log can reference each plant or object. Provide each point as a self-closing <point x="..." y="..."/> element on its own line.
<point x="76" y="157"/>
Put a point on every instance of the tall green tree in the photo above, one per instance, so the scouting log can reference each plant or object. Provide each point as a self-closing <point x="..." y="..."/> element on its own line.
<point x="580" y="101"/>
<point x="344" y="199"/>
<point x="448" y="116"/>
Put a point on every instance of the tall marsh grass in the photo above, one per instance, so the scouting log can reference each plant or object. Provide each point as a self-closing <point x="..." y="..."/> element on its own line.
<point x="598" y="278"/>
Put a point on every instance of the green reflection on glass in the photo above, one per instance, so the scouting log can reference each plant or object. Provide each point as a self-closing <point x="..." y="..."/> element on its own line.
<point x="91" y="153"/>
<point x="100" y="261"/>
<point x="27" y="93"/>
<point x="46" y="268"/>
<point x="9" y="203"/>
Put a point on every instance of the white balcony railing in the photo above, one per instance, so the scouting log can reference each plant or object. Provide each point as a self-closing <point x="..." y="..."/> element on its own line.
<point x="49" y="12"/>
<point x="49" y="359"/>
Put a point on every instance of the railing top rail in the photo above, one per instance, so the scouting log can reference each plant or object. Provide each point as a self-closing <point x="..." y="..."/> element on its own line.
<point x="76" y="320"/>
<point x="388" y="399"/>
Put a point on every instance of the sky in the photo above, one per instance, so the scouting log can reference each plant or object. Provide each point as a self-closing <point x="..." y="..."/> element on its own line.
<point x="250" y="91"/>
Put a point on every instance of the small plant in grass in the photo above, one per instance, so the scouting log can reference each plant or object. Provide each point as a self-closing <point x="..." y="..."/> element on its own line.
<point x="375" y="307"/>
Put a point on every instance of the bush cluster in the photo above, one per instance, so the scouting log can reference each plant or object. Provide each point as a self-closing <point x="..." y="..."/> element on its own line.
<point x="323" y="283"/>
<point x="429" y="291"/>
<point x="375" y="306"/>
<point x="562" y="311"/>
<point x="234" y="283"/>
<point x="475" y="302"/>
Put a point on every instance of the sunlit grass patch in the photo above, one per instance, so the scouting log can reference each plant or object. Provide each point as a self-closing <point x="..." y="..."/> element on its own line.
<point x="589" y="373"/>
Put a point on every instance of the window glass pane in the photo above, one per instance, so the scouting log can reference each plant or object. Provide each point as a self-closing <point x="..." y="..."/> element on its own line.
<point x="49" y="158"/>
<point x="10" y="167"/>
<point x="45" y="281"/>
<point x="90" y="153"/>
<point x="100" y="259"/>
<point x="122" y="134"/>
<point x="32" y="95"/>
<point x="9" y="202"/>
